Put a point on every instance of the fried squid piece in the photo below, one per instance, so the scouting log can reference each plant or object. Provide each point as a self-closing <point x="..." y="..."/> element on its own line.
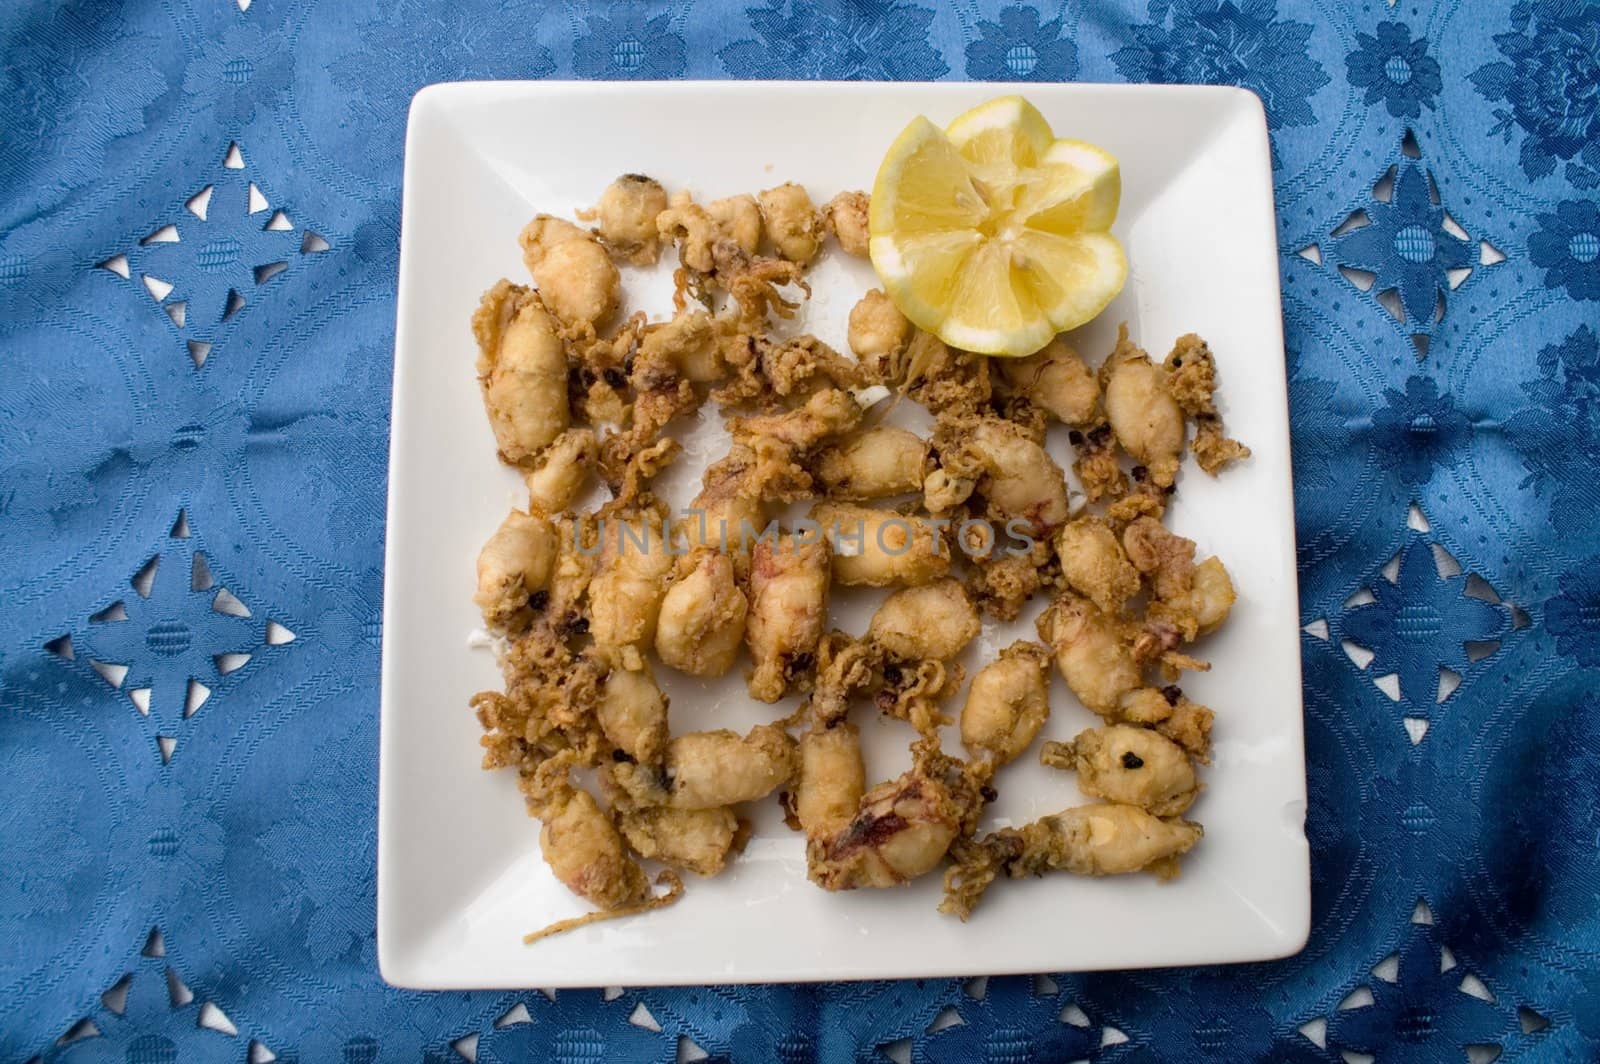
<point x="708" y="769"/>
<point x="514" y="565"/>
<point x="830" y="781"/>
<point x="689" y="344"/>
<point x="731" y="505"/>
<point x="1146" y="419"/>
<point x="585" y="851"/>
<point x="522" y="371"/>
<point x="629" y="707"/>
<point x="789" y="582"/>
<point x="576" y="278"/>
<point x="739" y="220"/>
<point x="935" y="622"/>
<point x="1020" y="484"/>
<point x="769" y="374"/>
<point x="846" y="667"/>
<point x="631" y="577"/>
<point x="563" y="471"/>
<point x="696" y="840"/>
<point x="544" y="709"/>
<point x="1092" y="651"/>
<point x="871" y="464"/>
<point x="1094" y="565"/>
<point x="1174" y="715"/>
<point x="912" y="692"/>
<point x="1094" y="462"/>
<point x="879" y="548"/>
<point x="791" y="222"/>
<point x="845" y="216"/>
<point x="1192" y="380"/>
<point x="1163" y="557"/>
<point x="1202" y="608"/>
<point x="878" y="334"/>
<point x="901" y="830"/>
<point x="1089" y="840"/>
<point x="950" y="383"/>
<point x="703" y="613"/>
<point x="1055" y="380"/>
<point x="1128" y="765"/>
<point x="1007" y="704"/>
<point x="697" y="231"/>
<point x="626" y="218"/>
<point x="1002" y="581"/>
<point x="826" y="413"/>
<point x="579" y="842"/>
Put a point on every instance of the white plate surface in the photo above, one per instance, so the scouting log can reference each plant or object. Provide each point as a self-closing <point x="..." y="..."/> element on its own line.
<point x="460" y="878"/>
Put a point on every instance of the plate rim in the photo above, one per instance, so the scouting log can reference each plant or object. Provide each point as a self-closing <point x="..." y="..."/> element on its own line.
<point x="408" y="968"/>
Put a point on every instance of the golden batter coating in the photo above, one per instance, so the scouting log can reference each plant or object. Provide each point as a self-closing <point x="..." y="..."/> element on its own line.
<point x="739" y="218"/>
<point x="579" y="842"/>
<point x="1203" y="607"/>
<point x="881" y="548"/>
<point x="1192" y="380"/>
<point x="901" y="830"/>
<point x="1021" y="485"/>
<point x="789" y="582"/>
<point x="702" y="618"/>
<point x="871" y="464"/>
<point x="826" y="414"/>
<point x="912" y="692"/>
<point x="792" y="222"/>
<point x="689" y="344"/>
<point x="522" y="371"/>
<point x="1163" y="557"/>
<point x="878" y="334"/>
<point x="1092" y="651"/>
<point x="716" y="768"/>
<point x="845" y="216"/>
<point x="1007" y="705"/>
<point x="731" y="505"/>
<point x="1146" y="419"/>
<point x="1088" y="840"/>
<point x="630" y="708"/>
<point x="1129" y="765"/>
<point x="832" y="778"/>
<point x="576" y="278"/>
<point x="630" y="580"/>
<point x="626" y="216"/>
<point x="563" y="471"/>
<point x="1001" y="582"/>
<point x="513" y="565"/>
<point x="1055" y="380"/>
<point x="934" y="621"/>
<point x="1094" y="462"/>
<point x="696" y="840"/>
<point x="1094" y="565"/>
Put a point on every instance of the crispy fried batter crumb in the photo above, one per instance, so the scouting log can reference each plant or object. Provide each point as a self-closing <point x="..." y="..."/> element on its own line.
<point x="584" y="601"/>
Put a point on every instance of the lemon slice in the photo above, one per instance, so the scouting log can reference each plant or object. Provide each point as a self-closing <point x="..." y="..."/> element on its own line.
<point x="994" y="235"/>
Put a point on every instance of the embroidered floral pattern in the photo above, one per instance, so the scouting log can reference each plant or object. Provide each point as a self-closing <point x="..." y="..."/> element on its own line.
<point x="1020" y="46"/>
<point x="1395" y="69"/>
<point x="814" y="39"/>
<point x="1567" y="247"/>
<point x="1219" y="42"/>
<point x="1550" y="83"/>
<point x="622" y="43"/>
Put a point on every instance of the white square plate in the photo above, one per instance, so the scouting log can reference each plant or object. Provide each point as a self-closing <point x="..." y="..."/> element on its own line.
<point x="460" y="879"/>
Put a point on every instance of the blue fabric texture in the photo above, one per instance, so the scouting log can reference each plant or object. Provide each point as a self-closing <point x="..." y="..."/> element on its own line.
<point x="199" y="204"/>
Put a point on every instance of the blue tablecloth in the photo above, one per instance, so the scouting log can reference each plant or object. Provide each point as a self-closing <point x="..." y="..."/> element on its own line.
<point x="187" y="776"/>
